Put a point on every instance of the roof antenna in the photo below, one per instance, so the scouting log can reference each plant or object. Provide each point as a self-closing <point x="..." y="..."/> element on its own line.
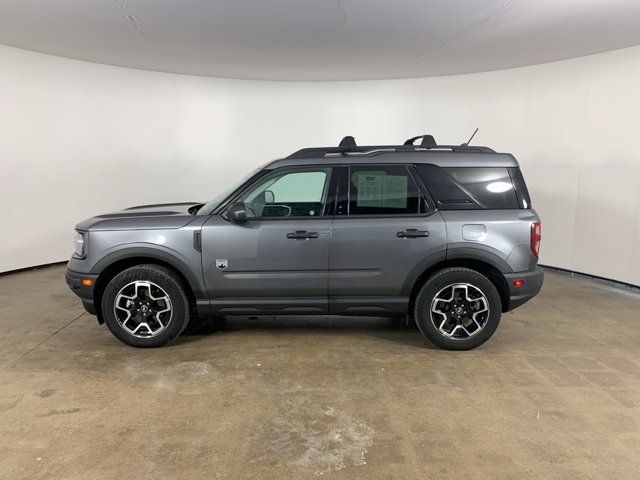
<point x="469" y="141"/>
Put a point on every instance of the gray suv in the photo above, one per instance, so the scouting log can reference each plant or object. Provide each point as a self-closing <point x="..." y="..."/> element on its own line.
<point x="444" y="234"/>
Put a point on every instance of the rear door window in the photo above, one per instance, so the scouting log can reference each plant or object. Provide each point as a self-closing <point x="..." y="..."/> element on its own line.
<point x="382" y="190"/>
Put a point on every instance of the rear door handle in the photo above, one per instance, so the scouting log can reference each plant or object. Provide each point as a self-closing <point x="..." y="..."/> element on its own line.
<point x="302" y="235"/>
<point x="413" y="233"/>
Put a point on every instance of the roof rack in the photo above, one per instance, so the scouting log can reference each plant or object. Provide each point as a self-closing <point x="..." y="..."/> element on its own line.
<point x="348" y="146"/>
<point x="427" y="141"/>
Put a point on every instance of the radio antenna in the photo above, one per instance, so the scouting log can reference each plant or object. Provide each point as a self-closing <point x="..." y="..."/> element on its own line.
<point x="471" y="138"/>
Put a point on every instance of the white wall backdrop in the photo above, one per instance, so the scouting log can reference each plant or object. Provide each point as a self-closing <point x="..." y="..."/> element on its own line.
<point x="78" y="139"/>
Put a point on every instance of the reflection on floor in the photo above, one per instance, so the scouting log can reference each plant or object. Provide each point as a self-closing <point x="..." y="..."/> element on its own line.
<point x="554" y="394"/>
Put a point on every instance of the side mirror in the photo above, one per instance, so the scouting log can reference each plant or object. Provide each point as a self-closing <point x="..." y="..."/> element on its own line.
<point x="269" y="197"/>
<point x="237" y="212"/>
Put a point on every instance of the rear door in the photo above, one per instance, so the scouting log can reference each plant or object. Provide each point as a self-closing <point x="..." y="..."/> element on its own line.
<point x="277" y="260"/>
<point x="385" y="234"/>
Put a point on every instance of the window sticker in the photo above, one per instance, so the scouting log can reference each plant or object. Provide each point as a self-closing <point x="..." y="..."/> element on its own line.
<point x="369" y="190"/>
<point x="381" y="190"/>
<point x="394" y="191"/>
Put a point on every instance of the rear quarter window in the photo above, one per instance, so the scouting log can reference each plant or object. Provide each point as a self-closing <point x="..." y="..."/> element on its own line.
<point x="471" y="188"/>
<point x="490" y="186"/>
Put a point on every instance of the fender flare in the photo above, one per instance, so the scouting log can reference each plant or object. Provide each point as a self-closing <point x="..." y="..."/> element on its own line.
<point x="454" y="252"/>
<point x="484" y="253"/>
<point x="419" y="268"/>
<point x="161" y="254"/>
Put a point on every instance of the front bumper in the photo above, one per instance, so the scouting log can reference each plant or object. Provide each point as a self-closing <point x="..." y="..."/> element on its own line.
<point x="530" y="288"/>
<point x="74" y="280"/>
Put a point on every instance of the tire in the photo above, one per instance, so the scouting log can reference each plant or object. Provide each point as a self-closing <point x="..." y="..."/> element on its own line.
<point x="455" y="311"/>
<point x="157" y="287"/>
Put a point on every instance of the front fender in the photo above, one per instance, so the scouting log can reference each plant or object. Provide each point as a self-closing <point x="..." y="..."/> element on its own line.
<point x="190" y="269"/>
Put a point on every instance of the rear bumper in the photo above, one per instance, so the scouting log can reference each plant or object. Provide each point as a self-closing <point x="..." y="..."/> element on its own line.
<point x="530" y="288"/>
<point x="74" y="280"/>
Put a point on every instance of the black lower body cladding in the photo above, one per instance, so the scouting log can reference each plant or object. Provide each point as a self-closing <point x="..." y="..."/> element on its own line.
<point x="531" y="285"/>
<point x="85" y="292"/>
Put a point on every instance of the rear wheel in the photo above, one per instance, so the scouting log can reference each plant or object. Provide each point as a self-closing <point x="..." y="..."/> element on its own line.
<point x="146" y="306"/>
<point x="458" y="309"/>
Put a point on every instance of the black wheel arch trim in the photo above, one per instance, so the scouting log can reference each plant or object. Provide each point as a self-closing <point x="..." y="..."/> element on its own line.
<point x="196" y="284"/>
<point x="456" y="253"/>
<point x="482" y="253"/>
<point x="420" y="268"/>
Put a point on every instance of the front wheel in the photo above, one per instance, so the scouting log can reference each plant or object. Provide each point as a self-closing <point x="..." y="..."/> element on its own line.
<point x="458" y="309"/>
<point x="145" y="306"/>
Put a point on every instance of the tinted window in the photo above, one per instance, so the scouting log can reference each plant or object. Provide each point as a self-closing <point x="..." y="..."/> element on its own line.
<point x="382" y="190"/>
<point x="491" y="187"/>
<point x="464" y="188"/>
<point x="448" y="194"/>
<point x="288" y="194"/>
<point x="521" y="187"/>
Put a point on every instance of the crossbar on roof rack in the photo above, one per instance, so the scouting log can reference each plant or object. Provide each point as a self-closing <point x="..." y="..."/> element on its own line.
<point x="426" y="141"/>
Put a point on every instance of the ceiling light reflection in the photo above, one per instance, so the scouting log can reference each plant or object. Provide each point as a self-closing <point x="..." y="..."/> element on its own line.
<point x="499" y="187"/>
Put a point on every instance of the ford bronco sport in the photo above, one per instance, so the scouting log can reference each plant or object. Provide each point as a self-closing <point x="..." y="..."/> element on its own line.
<point x="444" y="234"/>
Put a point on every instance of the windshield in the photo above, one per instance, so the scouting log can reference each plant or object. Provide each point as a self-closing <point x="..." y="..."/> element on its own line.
<point x="212" y="204"/>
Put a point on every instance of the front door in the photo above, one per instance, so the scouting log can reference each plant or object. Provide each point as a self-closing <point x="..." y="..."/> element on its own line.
<point x="385" y="234"/>
<point x="277" y="261"/>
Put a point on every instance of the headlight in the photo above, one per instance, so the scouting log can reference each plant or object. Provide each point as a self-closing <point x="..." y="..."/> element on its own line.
<point x="78" y="244"/>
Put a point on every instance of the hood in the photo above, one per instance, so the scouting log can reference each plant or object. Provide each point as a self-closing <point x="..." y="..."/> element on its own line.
<point x="166" y="215"/>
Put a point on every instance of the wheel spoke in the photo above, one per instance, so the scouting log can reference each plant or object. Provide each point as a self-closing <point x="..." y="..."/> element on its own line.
<point x="123" y="309"/>
<point x="473" y="317"/>
<point x="437" y="310"/>
<point x="140" y="325"/>
<point x="485" y="305"/>
<point x="124" y="325"/>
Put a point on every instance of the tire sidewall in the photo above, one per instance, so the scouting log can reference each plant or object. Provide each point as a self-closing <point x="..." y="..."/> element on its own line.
<point x="164" y="279"/>
<point x="442" y="279"/>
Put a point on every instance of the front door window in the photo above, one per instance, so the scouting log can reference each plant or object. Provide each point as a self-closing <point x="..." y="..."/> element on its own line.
<point x="289" y="194"/>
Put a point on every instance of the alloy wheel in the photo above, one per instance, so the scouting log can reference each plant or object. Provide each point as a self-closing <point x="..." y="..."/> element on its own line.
<point x="142" y="309"/>
<point x="459" y="311"/>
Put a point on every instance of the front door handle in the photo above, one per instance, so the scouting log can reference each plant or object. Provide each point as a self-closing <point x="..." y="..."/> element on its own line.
<point x="302" y="235"/>
<point x="413" y="233"/>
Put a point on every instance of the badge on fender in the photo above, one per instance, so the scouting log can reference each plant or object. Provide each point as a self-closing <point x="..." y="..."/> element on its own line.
<point x="222" y="263"/>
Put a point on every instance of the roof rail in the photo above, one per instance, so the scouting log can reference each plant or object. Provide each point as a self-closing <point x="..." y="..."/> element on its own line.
<point x="348" y="146"/>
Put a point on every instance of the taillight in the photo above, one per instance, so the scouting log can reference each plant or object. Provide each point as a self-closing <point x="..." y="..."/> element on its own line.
<point x="536" y="236"/>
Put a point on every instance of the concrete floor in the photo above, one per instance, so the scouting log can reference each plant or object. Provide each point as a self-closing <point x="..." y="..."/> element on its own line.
<point x="554" y="394"/>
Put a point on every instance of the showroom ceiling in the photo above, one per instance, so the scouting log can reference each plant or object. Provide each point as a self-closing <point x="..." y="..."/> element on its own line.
<point x="320" y="39"/>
